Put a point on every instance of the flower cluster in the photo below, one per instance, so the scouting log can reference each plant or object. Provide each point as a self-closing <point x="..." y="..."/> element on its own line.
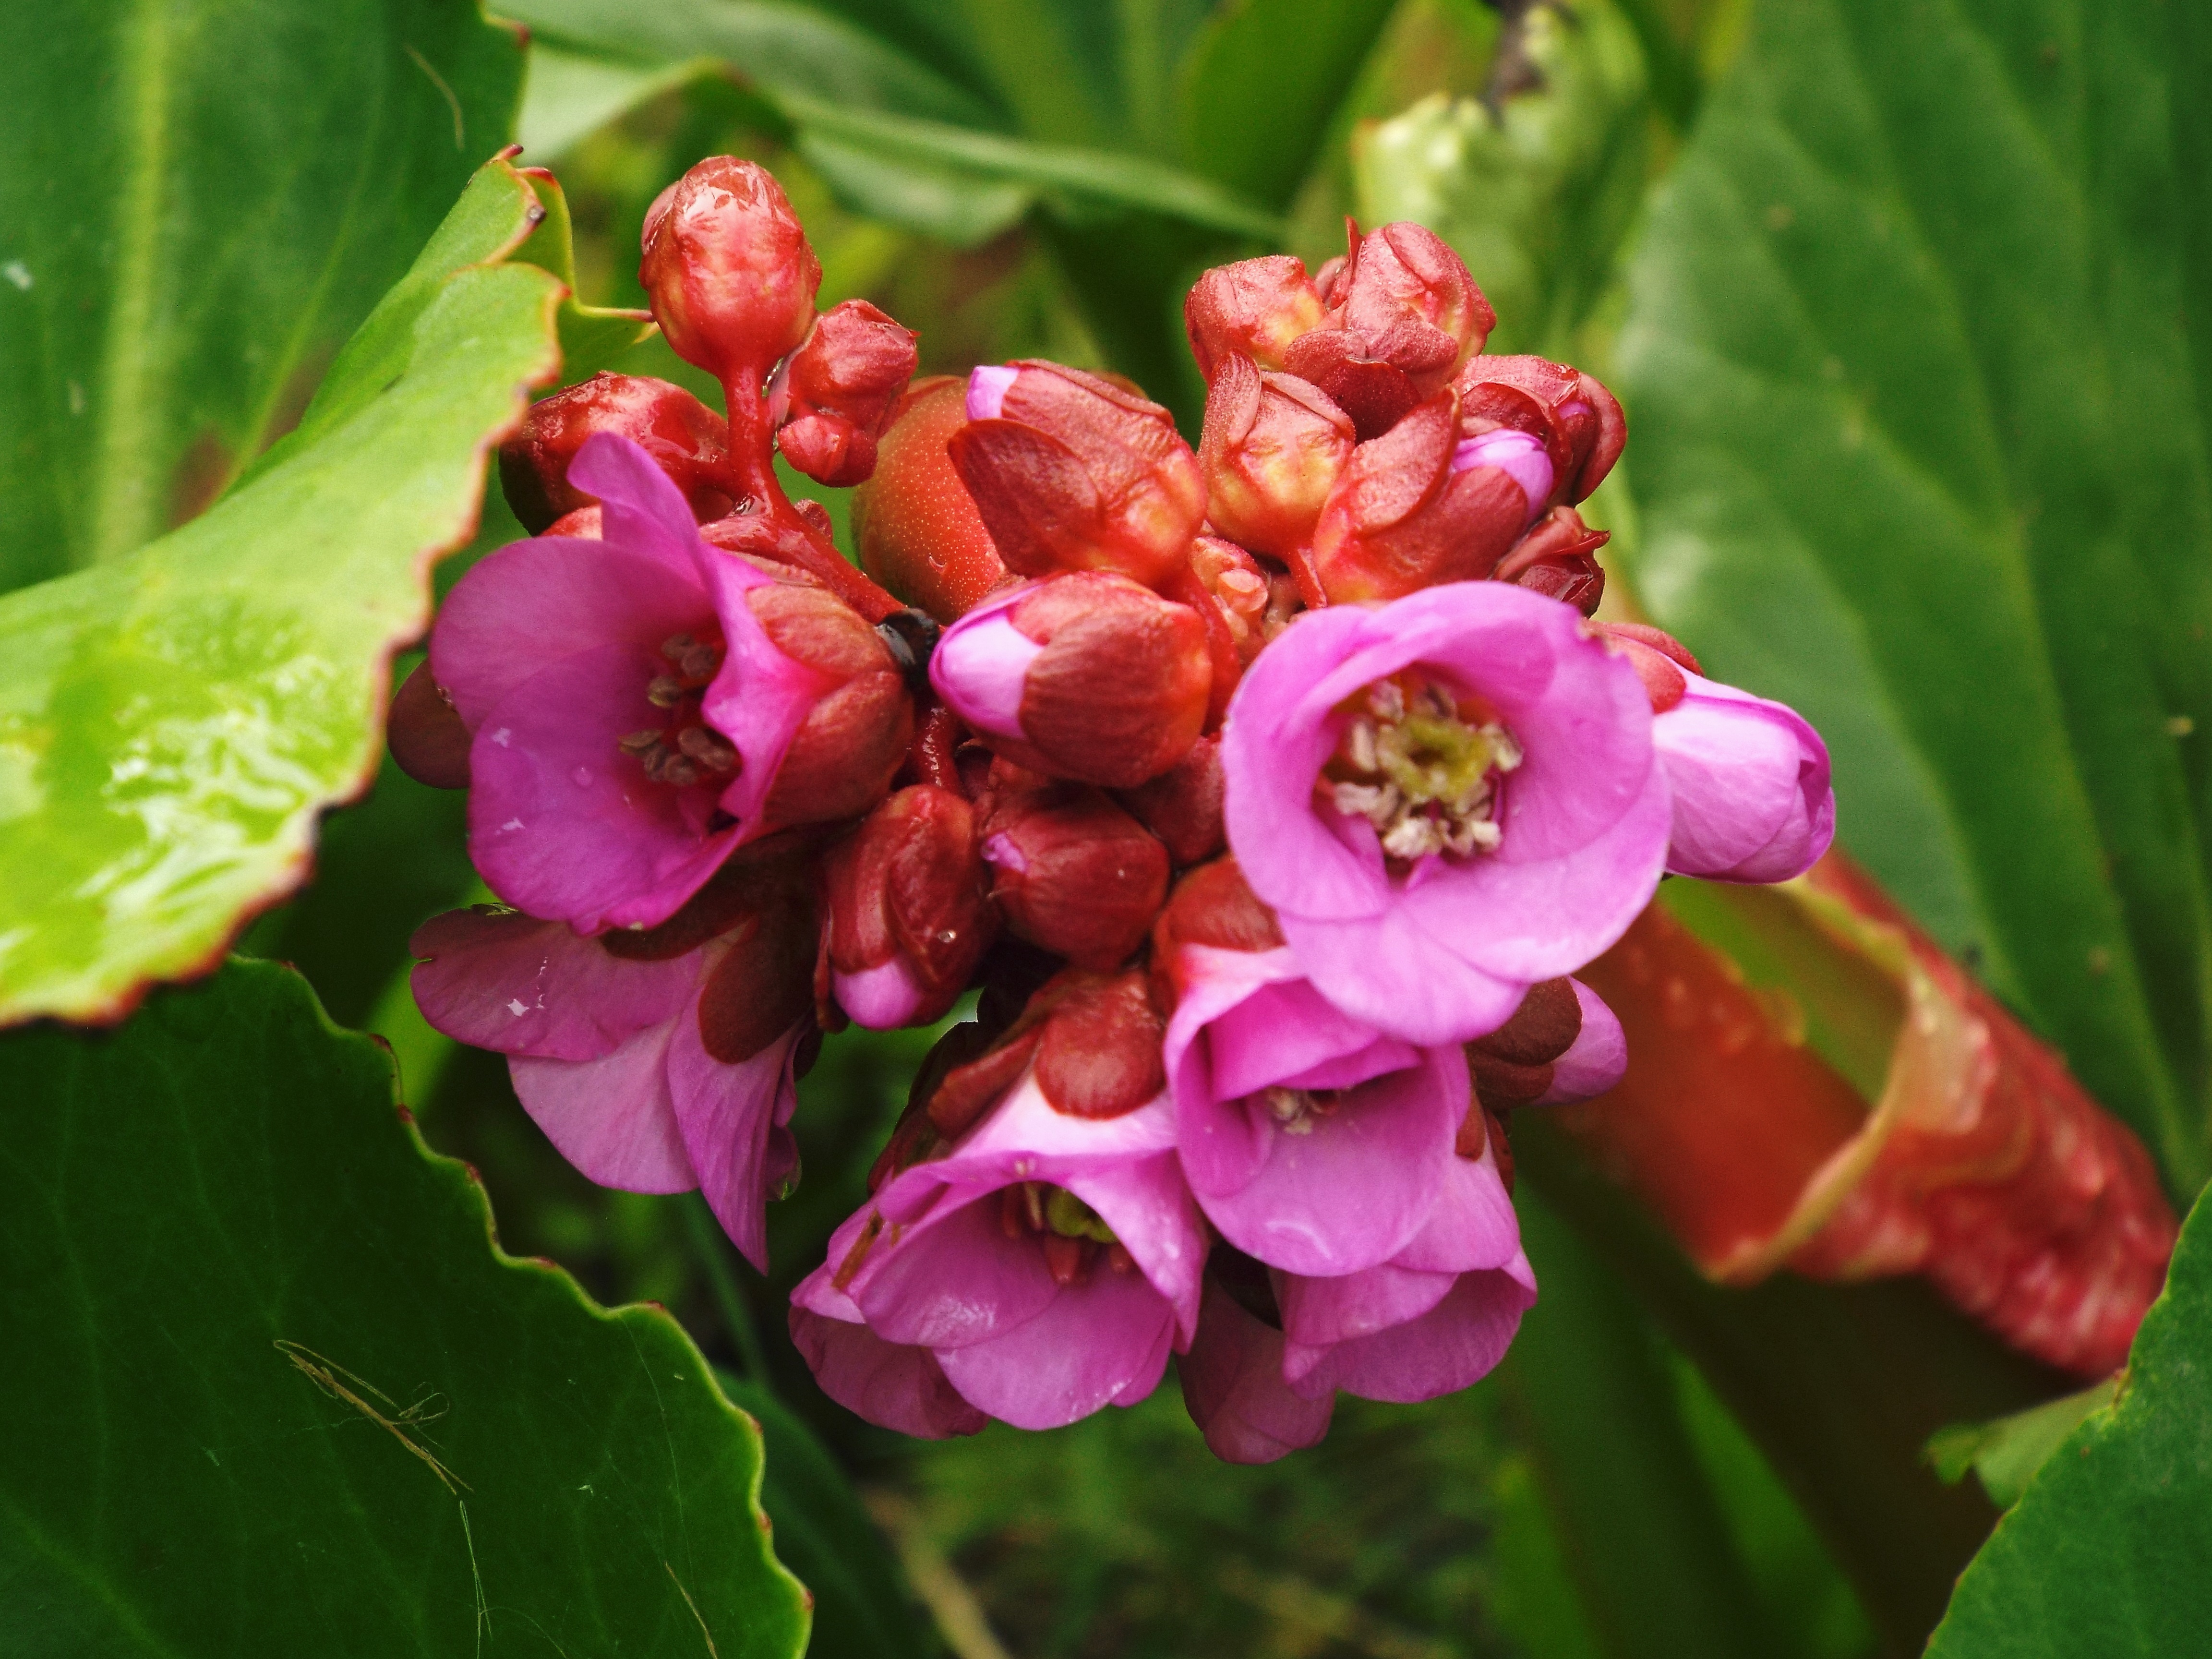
<point x="1268" y="793"/>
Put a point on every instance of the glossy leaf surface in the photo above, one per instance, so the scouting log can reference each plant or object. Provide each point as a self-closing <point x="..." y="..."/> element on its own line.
<point x="171" y="724"/>
<point x="2104" y="1554"/>
<point x="290" y="1398"/>
<point x="200" y="202"/>
<point x="1915" y="369"/>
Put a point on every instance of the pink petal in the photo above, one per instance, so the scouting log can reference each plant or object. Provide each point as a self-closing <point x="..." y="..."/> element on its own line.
<point x="563" y="824"/>
<point x="1454" y="1345"/>
<point x="520" y="986"/>
<point x="1597" y="1059"/>
<point x="893" y="1387"/>
<point x="1519" y="455"/>
<point x="729" y="1115"/>
<point x="954" y="1277"/>
<point x="1354" y="1189"/>
<point x="987" y="390"/>
<point x="614" y="1117"/>
<point x="1103" y="1340"/>
<point x="641" y="510"/>
<point x="1233" y="1388"/>
<point x="1471" y="1225"/>
<point x="1392" y="973"/>
<point x="1750" y="783"/>
<point x="1148" y="1205"/>
<point x="1320" y="1313"/>
<point x="981" y="667"/>
<point x="882" y="998"/>
<point x="759" y="698"/>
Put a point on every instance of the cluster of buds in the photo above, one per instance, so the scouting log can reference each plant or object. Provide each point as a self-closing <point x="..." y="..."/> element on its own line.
<point x="1268" y="795"/>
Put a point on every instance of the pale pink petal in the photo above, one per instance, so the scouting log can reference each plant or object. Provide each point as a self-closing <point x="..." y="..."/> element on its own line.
<point x="953" y="1279"/>
<point x="614" y="1117"/>
<point x="728" y="1114"/>
<point x="1597" y="1059"/>
<point x="1320" y="1313"/>
<point x="882" y="998"/>
<point x="987" y="390"/>
<point x="1454" y="1343"/>
<point x="981" y="667"/>
<point x="1095" y="1342"/>
<point x="1472" y="1224"/>
<point x="513" y="983"/>
<point x="1750" y="786"/>
<point x="1148" y="1205"/>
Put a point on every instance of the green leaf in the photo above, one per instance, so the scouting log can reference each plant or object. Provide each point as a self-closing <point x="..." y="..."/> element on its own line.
<point x="1915" y="369"/>
<point x="592" y="337"/>
<point x="1537" y="194"/>
<point x="200" y="202"/>
<point x="1260" y="89"/>
<point x="861" y="1608"/>
<point x="2104" y="1554"/>
<point x="290" y="1399"/>
<point x="171" y="724"/>
<point x="2006" y="1454"/>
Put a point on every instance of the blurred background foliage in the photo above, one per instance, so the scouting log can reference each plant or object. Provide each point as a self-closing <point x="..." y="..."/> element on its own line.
<point x="1660" y="1467"/>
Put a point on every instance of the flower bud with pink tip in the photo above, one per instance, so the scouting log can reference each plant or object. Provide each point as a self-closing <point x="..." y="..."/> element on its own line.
<point x="909" y="915"/>
<point x="1578" y="422"/>
<point x="1074" y="873"/>
<point x="835" y="395"/>
<point x="1273" y="448"/>
<point x="1562" y="1044"/>
<point x="1069" y="471"/>
<point x="685" y="440"/>
<point x="728" y="269"/>
<point x="1088" y="676"/>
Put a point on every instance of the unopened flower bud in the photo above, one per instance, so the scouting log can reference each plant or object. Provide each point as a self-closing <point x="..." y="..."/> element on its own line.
<point x="764" y="984"/>
<point x="909" y="915"/>
<point x="1254" y="308"/>
<point x="1578" y="421"/>
<point x="1087" y="676"/>
<point x="1563" y="1043"/>
<point x="1182" y="806"/>
<point x="1074" y="873"/>
<point x="913" y="521"/>
<point x="1091" y="1040"/>
<point x="1274" y="447"/>
<point x="428" y="738"/>
<point x="1071" y="472"/>
<point x="1213" y="906"/>
<point x="1242" y="588"/>
<point x="728" y="269"/>
<point x="1404" y="516"/>
<point x="1557" y="557"/>
<point x="841" y="761"/>
<point x="686" y="440"/>
<point x="838" y="390"/>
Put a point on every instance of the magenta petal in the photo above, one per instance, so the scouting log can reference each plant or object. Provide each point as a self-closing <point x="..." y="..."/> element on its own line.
<point x="987" y="390"/>
<point x="882" y="998"/>
<point x="759" y="698"/>
<point x="1471" y="1225"/>
<point x="1452" y="1345"/>
<point x="981" y="667"/>
<point x="520" y="986"/>
<point x="534" y="603"/>
<point x="953" y="1279"/>
<point x="1320" y="1313"/>
<point x="1148" y="1205"/>
<point x="640" y="507"/>
<point x="563" y="824"/>
<point x="614" y="1117"/>
<point x="1093" y="1342"/>
<point x="893" y="1387"/>
<point x="1596" y="1060"/>
<point x="1387" y="971"/>
<point x="1233" y="1388"/>
<point x="1352" y="1189"/>
<point x="1519" y="455"/>
<point x="1750" y="782"/>
<point x="728" y="1114"/>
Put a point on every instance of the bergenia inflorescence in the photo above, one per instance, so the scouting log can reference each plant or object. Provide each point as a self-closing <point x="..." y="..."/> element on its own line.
<point x="1269" y="793"/>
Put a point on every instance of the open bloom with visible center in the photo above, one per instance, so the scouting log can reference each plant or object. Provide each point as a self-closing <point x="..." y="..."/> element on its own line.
<point x="630" y="714"/>
<point x="649" y="1062"/>
<point x="1444" y="799"/>
<point x="1045" y="1265"/>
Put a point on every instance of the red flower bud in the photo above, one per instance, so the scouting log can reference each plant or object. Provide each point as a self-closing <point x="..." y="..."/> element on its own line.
<point x="728" y="271"/>
<point x="1411" y="298"/>
<point x="839" y="389"/>
<point x="1094" y="1039"/>
<point x="1512" y="1067"/>
<point x="909" y="913"/>
<point x="1254" y="308"/>
<point x="1212" y="906"/>
<point x="1087" y="676"/>
<point x="429" y="741"/>
<point x="916" y="526"/>
<point x="1579" y="421"/>
<point x="1402" y="518"/>
<point x="688" y="441"/>
<point x="1558" y="557"/>
<point x="1075" y="874"/>
<point x="1242" y="589"/>
<point x="840" y="762"/>
<point x="1072" y="472"/>
<point x="1182" y="806"/>
<point x="1274" y="447"/>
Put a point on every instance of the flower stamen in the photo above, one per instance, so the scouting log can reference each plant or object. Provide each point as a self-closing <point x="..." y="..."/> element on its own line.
<point x="686" y="750"/>
<point x="1423" y="766"/>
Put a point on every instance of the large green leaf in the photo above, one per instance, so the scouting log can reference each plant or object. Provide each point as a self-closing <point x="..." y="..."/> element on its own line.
<point x="171" y="723"/>
<point x="1916" y="375"/>
<point x="199" y="203"/>
<point x="289" y="1399"/>
<point x="2106" y="1552"/>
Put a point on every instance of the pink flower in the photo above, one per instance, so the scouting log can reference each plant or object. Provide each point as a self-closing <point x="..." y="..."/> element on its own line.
<point x="1750" y="783"/>
<point x="629" y="714"/>
<point x="1044" y="1266"/>
<point x="1445" y="799"/>
<point x="1233" y="1387"/>
<point x="652" y="1073"/>
<point x="1597" y="1058"/>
